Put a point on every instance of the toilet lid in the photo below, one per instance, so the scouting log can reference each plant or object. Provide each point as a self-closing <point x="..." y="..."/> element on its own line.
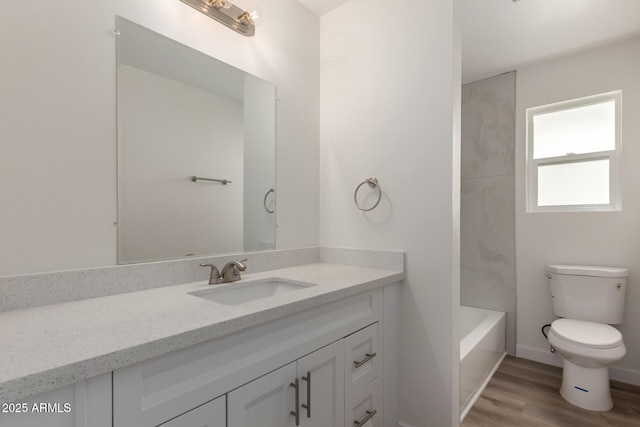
<point x="586" y="334"/>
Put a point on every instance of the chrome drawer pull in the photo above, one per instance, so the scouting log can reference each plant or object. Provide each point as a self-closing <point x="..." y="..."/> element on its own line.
<point x="296" y="413"/>
<point x="308" y="405"/>
<point x="365" y="360"/>
<point x="370" y="415"/>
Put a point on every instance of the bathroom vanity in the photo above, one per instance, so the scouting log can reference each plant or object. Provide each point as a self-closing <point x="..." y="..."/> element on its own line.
<point x="316" y="355"/>
<point x="300" y="370"/>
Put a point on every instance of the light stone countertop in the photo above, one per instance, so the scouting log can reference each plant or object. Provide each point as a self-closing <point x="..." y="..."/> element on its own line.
<point x="47" y="347"/>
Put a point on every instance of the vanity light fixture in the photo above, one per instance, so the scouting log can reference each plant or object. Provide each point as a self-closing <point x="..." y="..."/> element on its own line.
<point x="227" y="13"/>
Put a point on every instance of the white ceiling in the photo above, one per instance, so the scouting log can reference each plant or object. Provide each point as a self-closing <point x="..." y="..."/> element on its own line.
<point x="320" y="7"/>
<point x="500" y="35"/>
<point x="503" y="35"/>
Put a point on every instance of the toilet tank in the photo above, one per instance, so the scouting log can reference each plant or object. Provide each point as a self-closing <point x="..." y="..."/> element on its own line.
<point x="590" y="293"/>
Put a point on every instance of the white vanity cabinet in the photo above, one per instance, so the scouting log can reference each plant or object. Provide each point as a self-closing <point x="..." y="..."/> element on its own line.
<point x="363" y="408"/>
<point x="363" y="357"/>
<point x="255" y="370"/>
<point x="266" y="402"/>
<point x="332" y="353"/>
<point x="211" y="414"/>
<point x="321" y="387"/>
<point x="363" y="387"/>
<point x="308" y="393"/>
<point x="83" y="404"/>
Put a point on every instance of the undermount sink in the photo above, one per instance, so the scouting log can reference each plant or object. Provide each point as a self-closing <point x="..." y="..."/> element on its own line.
<point x="240" y="293"/>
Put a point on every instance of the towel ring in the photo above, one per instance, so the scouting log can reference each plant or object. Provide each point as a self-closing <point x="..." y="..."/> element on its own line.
<point x="264" y="202"/>
<point x="373" y="183"/>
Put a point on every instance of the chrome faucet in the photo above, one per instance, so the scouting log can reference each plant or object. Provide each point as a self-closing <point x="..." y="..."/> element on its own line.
<point x="214" y="278"/>
<point x="231" y="271"/>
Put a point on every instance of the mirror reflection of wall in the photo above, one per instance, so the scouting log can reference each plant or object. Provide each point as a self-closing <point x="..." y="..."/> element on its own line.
<point x="182" y="114"/>
<point x="259" y="164"/>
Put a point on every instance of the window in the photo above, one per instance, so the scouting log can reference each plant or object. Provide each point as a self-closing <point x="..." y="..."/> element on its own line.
<point x="573" y="155"/>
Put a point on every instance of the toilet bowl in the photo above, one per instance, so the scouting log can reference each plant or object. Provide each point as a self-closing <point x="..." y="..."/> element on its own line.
<point x="588" y="300"/>
<point x="588" y="348"/>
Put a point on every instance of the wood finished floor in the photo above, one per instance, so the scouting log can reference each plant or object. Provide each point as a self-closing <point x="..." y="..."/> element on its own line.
<point x="523" y="393"/>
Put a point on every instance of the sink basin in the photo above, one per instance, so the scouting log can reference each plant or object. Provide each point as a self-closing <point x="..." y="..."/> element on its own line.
<point x="240" y="293"/>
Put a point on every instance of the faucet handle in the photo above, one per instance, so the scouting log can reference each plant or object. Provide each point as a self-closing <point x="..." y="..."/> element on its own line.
<point x="214" y="278"/>
<point x="231" y="271"/>
<point x="239" y="264"/>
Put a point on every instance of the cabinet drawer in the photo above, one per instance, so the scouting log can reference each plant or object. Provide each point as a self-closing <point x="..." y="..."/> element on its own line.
<point x="212" y="414"/>
<point x="362" y="359"/>
<point x="364" y="409"/>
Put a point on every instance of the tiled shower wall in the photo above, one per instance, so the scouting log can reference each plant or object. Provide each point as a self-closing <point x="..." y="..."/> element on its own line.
<point x="487" y="218"/>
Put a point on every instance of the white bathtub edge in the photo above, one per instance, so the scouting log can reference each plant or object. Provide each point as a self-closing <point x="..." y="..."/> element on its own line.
<point x="476" y="395"/>
<point x="483" y="345"/>
<point x="471" y="340"/>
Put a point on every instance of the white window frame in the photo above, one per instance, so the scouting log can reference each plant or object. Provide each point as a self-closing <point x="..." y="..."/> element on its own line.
<point x="615" y="201"/>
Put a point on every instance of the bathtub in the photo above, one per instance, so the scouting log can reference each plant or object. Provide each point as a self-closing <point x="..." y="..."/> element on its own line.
<point x="482" y="348"/>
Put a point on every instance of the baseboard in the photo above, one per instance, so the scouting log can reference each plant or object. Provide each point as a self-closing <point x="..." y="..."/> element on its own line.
<point x="623" y="375"/>
<point x="538" y="355"/>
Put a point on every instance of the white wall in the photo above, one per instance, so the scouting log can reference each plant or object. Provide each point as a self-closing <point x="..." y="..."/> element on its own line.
<point x="608" y="238"/>
<point x="58" y="120"/>
<point x="386" y="111"/>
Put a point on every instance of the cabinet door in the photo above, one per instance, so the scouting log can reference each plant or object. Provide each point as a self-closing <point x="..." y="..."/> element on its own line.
<point x="212" y="414"/>
<point x="364" y="409"/>
<point x="83" y="404"/>
<point x="321" y="376"/>
<point x="362" y="358"/>
<point x="265" y="402"/>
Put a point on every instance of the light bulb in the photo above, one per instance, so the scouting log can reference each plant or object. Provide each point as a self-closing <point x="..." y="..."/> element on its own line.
<point x="252" y="15"/>
<point x="255" y="14"/>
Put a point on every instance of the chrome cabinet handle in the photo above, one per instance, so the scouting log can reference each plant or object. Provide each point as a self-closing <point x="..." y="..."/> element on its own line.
<point x="307" y="406"/>
<point x="370" y="415"/>
<point x="365" y="360"/>
<point x="296" y="413"/>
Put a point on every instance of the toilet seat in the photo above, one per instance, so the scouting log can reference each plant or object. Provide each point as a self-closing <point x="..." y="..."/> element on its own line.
<point x="586" y="334"/>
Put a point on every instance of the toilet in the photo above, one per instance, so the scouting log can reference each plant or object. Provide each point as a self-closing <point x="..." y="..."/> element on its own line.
<point x="588" y="299"/>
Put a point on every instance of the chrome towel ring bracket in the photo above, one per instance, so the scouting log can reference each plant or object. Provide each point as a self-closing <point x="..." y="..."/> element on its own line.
<point x="373" y="183"/>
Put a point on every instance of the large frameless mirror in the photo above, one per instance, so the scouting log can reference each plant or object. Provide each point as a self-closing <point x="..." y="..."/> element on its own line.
<point x="196" y="152"/>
